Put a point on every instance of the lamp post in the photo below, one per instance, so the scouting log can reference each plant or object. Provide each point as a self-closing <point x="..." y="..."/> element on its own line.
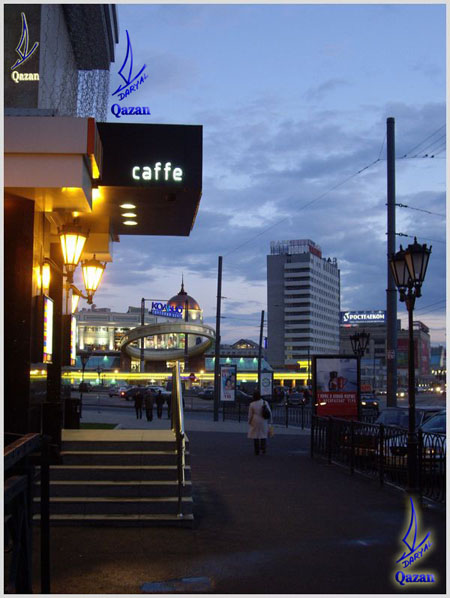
<point x="360" y="342"/>
<point x="84" y="357"/>
<point x="409" y="267"/>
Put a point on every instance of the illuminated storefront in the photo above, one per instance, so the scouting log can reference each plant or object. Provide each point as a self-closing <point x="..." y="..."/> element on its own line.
<point x="67" y="180"/>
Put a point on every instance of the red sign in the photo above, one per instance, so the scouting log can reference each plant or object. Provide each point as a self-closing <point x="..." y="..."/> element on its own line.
<point x="340" y="404"/>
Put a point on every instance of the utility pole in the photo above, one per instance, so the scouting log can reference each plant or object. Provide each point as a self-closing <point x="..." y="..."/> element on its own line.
<point x="142" y="368"/>
<point x="391" y="292"/>
<point x="217" y="353"/>
<point x="260" y="350"/>
<point x="186" y="346"/>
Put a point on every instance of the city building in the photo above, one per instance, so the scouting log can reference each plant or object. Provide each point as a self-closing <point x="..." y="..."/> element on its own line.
<point x="438" y="362"/>
<point x="373" y="363"/>
<point x="422" y="353"/>
<point x="303" y="301"/>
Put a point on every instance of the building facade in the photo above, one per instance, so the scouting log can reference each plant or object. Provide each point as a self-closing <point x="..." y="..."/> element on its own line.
<point x="303" y="300"/>
<point x="66" y="171"/>
<point x="373" y="363"/>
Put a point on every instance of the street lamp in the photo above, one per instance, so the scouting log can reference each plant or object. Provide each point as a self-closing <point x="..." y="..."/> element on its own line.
<point x="360" y="341"/>
<point x="92" y="275"/>
<point x="72" y="239"/>
<point x="408" y="268"/>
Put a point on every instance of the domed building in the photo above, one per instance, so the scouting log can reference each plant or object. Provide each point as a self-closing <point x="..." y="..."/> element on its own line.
<point x="180" y="307"/>
<point x="180" y="300"/>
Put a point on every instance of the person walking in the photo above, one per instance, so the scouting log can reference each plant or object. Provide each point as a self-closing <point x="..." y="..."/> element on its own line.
<point x="138" y="400"/>
<point x="258" y="426"/>
<point x="159" y="404"/>
<point x="148" y="402"/>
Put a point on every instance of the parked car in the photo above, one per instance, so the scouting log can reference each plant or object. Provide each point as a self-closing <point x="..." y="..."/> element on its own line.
<point x="129" y="393"/>
<point x="207" y="394"/>
<point x="395" y="449"/>
<point x="85" y="387"/>
<point x="296" y="398"/>
<point x="154" y="390"/>
<point x="398" y="416"/>
<point x="115" y="391"/>
<point x="436" y="424"/>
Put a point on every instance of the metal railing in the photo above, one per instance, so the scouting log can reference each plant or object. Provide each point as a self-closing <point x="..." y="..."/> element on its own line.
<point x="381" y="452"/>
<point x="180" y="435"/>
<point x="285" y="415"/>
<point x="19" y="471"/>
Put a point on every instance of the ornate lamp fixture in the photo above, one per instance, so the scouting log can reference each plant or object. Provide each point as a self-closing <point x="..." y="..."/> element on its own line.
<point x="73" y="239"/>
<point x="360" y="341"/>
<point x="92" y="275"/>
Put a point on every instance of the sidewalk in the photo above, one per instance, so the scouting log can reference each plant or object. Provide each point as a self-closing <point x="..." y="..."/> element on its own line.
<point x="278" y="523"/>
<point x="194" y="421"/>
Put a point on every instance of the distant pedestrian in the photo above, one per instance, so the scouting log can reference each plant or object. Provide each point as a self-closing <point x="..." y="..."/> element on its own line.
<point x="138" y="400"/>
<point x="148" y="402"/>
<point x="258" y="426"/>
<point x="159" y="404"/>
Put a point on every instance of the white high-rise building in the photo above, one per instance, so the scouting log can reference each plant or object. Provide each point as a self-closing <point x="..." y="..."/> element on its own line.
<point x="303" y="300"/>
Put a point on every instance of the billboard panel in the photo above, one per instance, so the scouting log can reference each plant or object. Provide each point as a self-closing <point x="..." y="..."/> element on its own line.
<point x="336" y="383"/>
<point x="363" y="317"/>
<point x="227" y="382"/>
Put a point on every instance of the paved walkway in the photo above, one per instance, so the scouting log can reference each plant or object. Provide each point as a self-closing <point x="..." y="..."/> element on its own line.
<point x="278" y="523"/>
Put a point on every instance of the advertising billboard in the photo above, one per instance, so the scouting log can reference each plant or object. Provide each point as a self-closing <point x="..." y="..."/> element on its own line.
<point x="336" y="383"/>
<point x="362" y="317"/>
<point x="227" y="382"/>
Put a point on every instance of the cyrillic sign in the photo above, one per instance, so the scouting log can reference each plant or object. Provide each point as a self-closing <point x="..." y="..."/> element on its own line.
<point x="168" y="311"/>
<point x="363" y="317"/>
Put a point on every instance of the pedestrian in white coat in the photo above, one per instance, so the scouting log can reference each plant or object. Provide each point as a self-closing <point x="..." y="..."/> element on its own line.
<point x="258" y="427"/>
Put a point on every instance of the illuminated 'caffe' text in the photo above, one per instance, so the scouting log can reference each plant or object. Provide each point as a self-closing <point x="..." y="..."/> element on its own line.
<point x="157" y="173"/>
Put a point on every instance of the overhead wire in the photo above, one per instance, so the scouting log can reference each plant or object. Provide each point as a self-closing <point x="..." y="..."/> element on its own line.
<point x="307" y="204"/>
<point x="423" y="141"/>
<point x="419" y="237"/>
<point x="402" y="205"/>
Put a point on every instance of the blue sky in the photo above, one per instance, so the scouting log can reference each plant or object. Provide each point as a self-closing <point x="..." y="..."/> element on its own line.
<point x="293" y="100"/>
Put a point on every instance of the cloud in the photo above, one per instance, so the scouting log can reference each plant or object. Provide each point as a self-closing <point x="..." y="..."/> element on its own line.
<point x="319" y="92"/>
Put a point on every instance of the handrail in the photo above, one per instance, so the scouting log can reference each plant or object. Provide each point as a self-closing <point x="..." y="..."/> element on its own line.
<point x="19" y="460"/>
<point x="20" y="448"/>
<point x="180" y="436"/>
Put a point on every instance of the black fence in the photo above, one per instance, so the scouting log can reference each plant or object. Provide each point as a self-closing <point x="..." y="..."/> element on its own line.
<point x="21" y="454"/>
<point x="381" y="452"/>
<point x="284" y="415"/>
